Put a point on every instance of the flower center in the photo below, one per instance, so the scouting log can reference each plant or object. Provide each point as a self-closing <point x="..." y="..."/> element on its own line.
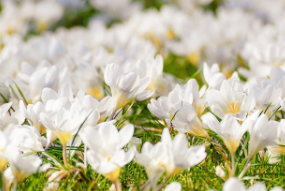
<point x="234" y="107"/>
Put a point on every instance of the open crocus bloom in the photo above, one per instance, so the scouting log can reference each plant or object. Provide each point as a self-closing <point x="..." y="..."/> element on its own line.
<point x="106" y="154"/>
<point x="169" y="156"/>
<point x="229" y="101"/>
<point x="64" y="122"/>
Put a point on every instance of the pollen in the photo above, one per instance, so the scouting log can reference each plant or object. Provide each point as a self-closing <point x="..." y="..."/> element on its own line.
<point x="109" y="159"/>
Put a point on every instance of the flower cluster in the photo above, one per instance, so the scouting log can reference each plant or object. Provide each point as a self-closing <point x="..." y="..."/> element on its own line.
<point x="102" y="96"/>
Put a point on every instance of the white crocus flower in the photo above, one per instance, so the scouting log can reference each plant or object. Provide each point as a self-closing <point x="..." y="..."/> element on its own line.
<point x="153" y="158"/>
<point x="24" y="166"/>
<point x="186" y="121"/>
<point x="32" y="113"/>
<point x="220" y="172"/>
<point x="229" y="101"/>
<point x="165" y="107"/>
<point x="181" y="156"/>
<point x="151" y="68"/>
<point x="189" y="93"/>
<point x="263" y="132"/>
<point x="64" y="123"/>
<point x="275" y="151"/>
<point x="277" y="78"/>
<point x="234" y="184"/>
<point x="212" y="76"/>
<point x="267" y="98"/>
<point x="4" y="143"/>
<point x="33" y="80"/>
<point x="8" y="117"/>
<point x="173" y="186"/>
<point x="169" y="156"/>
<point x="106" y="154"/>
<point x="229" y="130"/>
<point x="281" y="136"/>
<point x="104" y="106"/>
<point x="198" y="101"/>
<point x="26" y="139"/>
<point x="125" y="86"/>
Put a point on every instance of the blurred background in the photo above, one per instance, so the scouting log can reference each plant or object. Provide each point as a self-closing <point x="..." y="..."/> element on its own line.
<point x="236" y="34"/>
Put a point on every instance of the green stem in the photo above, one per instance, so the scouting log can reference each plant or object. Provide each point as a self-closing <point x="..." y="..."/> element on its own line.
<point x="3" y="181"/>
<point x="246" y="167"/>
<point x="15" y="186"/>
<point x="112" y="114"/>
<point x="64" y="156"/>
<point x="159" y="187"/>
<point x="233" y="163"/>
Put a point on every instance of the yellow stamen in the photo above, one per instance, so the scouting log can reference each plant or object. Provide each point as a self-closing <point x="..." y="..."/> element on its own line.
<point x="233" y="106"/>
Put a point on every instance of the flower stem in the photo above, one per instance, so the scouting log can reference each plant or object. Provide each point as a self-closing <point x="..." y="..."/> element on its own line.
<point x="64" y="156"/>
<point x="246" y="167"/>
<point x="85" y="156"/>
<point x="145" y="185"/>
<point x="159" y="187"/>
<point x="3" y="181"/>
<point x="233" y="163"/>
<point x="117" y="185"/>
<point x="15" y="186"/>
<point x="112" y="114"/>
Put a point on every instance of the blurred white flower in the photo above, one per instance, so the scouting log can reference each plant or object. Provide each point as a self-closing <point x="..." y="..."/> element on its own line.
<point x="234" y="184"/>
<point x="212" y="76"/>
<point x="125" y="86"/>
<point x="220" y="172"/>
<point x="263" y="132"/>
<point x="173" y="186"/>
